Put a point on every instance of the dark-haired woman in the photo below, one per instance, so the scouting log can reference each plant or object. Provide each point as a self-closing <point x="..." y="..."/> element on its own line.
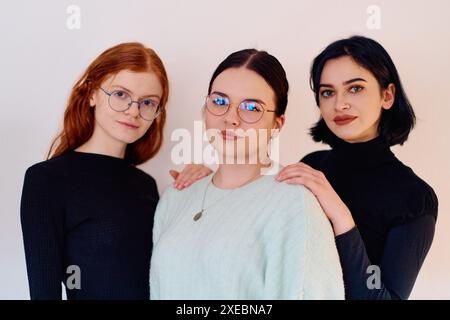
<point x="87" y="212"/>
<point x="240" y="234"/>
<point x="383" y="214"/>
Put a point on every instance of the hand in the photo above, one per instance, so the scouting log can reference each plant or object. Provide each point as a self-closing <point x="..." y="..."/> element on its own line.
<point x="190" y="174"/>
<point x="334" y="208"/>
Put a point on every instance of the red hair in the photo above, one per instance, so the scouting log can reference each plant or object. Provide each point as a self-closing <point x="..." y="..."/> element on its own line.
<point x="79" y="117"/>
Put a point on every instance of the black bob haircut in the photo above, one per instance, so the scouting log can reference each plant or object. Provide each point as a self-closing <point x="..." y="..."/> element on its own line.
<point x="264" y="64"/>
<point x="395" y="123"/>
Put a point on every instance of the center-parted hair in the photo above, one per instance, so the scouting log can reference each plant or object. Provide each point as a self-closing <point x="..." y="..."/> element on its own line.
<point x="395" y="123"/>
<point x="79" y="118"/>
<point x="264" y="64"/>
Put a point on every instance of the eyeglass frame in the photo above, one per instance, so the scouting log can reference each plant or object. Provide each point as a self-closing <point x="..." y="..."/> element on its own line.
<point x="229" y="105"/>
<point x="159" y="109"/>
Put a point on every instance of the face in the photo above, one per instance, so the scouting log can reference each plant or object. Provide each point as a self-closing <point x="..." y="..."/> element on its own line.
<point x="125" y="127"/>
<point x="232" y="137"/>
<point x="351" y="100"/>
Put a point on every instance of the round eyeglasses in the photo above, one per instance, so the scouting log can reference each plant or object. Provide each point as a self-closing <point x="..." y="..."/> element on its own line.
<point x="249" y="111"/>
<point x="120" y="101"/>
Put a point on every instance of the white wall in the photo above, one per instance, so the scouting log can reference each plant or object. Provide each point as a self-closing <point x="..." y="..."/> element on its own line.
<point x="41" y="58"/>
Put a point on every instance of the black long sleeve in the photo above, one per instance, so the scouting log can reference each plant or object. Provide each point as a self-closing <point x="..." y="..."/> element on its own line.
<point x="42" y="225"/>
<point x="92" y="212"/>
<point x="395" y="214"/>
<point x="404" y="252"/>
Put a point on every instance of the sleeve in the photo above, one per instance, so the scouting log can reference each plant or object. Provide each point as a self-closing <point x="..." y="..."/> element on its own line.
<point x="159" y="223"/>
<point x="323" y="272"/>
<point x="404" y="251"/>
<point x="42" y="229"/>
<point x="162" y="210"/>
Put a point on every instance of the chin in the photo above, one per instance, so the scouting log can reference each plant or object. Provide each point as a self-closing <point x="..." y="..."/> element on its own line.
<point x="128" y="139"/>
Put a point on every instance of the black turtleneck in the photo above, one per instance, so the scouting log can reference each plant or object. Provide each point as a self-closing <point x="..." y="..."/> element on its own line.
<point x="395" y="214"/>
<point x="94" y="212"/>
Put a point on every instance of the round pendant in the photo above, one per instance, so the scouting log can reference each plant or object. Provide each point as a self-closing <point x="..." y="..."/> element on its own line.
<point x="198" y="215"/>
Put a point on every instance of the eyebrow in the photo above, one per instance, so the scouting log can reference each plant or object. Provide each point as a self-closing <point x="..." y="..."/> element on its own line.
<point x="246" y="99"/>
<point x="344" y="83"/>
<point x="131" y="92"/>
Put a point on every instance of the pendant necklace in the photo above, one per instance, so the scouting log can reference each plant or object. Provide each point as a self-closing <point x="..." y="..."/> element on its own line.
<point x="199" y="214"/>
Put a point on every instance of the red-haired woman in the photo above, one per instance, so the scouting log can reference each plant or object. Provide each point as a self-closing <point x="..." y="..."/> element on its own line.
<point x="87" y="211"/>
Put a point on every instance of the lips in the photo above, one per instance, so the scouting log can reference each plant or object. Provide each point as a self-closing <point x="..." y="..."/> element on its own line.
<point x="129" y="125"/>
<point x="342" y="120"/>
<point x="229" y="135"/>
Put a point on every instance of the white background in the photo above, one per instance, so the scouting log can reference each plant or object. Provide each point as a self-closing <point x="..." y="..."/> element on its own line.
<point x="41" y="58"/>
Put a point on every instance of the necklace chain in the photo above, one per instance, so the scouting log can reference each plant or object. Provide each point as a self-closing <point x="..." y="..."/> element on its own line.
<point x="199" y="214"/>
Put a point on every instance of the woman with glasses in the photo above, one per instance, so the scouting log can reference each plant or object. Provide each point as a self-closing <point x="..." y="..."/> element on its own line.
<point x="87" y="211"/>
<point x="240" y="234"/>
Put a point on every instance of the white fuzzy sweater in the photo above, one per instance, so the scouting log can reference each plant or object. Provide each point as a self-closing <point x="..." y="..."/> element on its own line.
<point x="265" y="240"/>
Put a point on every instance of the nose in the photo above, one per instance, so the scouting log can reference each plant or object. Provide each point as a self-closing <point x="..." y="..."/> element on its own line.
<point x="133" y="110"/>
<point x="341" y="103"/>
<point x="232" y="117"/>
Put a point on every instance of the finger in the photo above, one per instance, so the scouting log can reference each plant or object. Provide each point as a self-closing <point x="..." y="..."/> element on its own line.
<point x="318" y="173"/>
<point x="287" y="169"/>
<point x="305" y="178"/>
<point x="306" y="165"/>
<point x="185" y="174"/>
<point x="296" y="165"/>
<point x="305" y="175"/>
<point x="296" y="180"/>
<point x="310" y="184"/>
<point x="174" y="174"/>
<point x="294" y="171"/>
<point x="304" y="168"/>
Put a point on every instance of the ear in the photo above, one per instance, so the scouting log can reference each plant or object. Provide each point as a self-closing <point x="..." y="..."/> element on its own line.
<point x="279" y="122"/>
<point x="388" y="97"/>
<point x="92" y="100"/>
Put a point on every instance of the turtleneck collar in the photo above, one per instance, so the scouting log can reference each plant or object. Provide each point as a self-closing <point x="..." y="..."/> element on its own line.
<point x="362" y="154"/>
<point x="97" y="161"/>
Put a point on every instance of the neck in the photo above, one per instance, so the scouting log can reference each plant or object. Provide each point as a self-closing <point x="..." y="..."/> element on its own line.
<point x="231" y="176"/>
<point x="109" y="147"/>
<point x="363" y="139"/>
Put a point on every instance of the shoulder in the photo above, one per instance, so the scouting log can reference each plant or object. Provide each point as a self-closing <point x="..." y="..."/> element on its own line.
<point x="143" y="178"/>
<point x="41" y="179"/>
<point x="297" y="209"/>
<point x="419" y="195"/>
<point x="48" y="168"/>
<point x="315" y="158"/>
<point x="172" y="200"/>
<point x="61" y="164"/>
<point x="295" y="201"/>
<point x="176" y="197"/>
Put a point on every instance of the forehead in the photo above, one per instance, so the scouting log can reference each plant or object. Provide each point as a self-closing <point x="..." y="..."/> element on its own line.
<point x="241" y="83"/>
<point x="140" y="83"/>
<point x="338" y="70"/>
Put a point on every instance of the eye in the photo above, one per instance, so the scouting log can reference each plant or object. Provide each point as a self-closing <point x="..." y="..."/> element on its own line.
<point x="219" y="101"/>
<point x="356" y="89"/>
<point x="149" y="103"/>
<point x="326" y="93"/>
<point x="120" y="94"/>
<point x="251" y="106"/>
